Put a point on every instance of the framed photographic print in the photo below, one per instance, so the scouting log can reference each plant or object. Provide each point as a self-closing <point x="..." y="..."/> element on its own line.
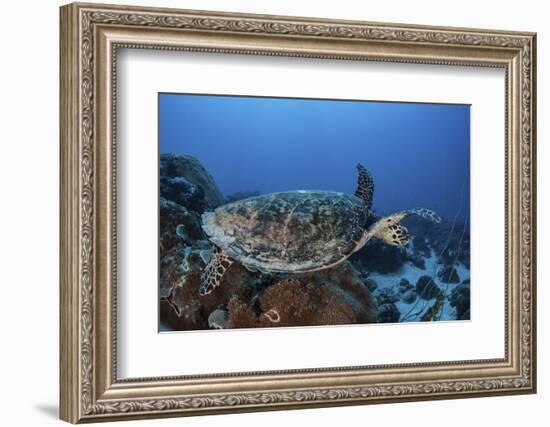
<point x="265" y="212"/>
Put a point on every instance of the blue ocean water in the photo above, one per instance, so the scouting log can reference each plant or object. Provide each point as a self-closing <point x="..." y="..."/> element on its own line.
<point x="418" y="153"/>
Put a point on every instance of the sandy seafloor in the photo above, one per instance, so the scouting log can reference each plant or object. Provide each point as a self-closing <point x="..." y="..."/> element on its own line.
<point x="413" y="312"/>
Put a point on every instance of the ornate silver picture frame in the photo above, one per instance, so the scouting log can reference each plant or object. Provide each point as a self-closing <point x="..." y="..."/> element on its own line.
<point x="91" y="37"/>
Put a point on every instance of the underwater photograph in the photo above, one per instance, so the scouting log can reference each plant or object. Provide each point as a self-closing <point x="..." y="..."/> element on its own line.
<point x="282" y="212"/>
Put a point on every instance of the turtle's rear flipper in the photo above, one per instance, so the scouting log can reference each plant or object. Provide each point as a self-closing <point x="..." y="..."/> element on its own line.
<point x="213" y="273"/>
<point x="365" y="185"/>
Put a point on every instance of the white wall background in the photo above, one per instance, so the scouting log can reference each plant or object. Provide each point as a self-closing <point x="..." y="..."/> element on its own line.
<point x="29" y="170"/>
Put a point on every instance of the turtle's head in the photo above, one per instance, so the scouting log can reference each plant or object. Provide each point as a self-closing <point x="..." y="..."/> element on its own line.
<point x="386" y="229"/>
<point x="394" y="234"/>
<point x="391" y="231"/>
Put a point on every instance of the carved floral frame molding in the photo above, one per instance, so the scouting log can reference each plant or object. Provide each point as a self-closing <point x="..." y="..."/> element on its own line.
<point x="90" y="37"/>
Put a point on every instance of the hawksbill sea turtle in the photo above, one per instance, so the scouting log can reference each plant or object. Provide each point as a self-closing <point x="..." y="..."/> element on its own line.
<point x="298" y="231"/>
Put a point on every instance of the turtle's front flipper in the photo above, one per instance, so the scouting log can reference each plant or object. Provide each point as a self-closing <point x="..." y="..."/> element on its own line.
<point x="425" y="213"/>
<point x="390" y="231"/>
<point x="212" y="274"/>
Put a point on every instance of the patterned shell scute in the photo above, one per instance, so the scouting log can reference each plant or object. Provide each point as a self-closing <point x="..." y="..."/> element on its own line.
<point x="290" y="231"/>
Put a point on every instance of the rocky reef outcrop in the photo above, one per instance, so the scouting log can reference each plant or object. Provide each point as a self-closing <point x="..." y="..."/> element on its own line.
<point x="426" y="288"/>
<point x="334" y="297"/>
<point x="448" y="274"/>
<point x="460" y="300"/>
<point x="187" y="169"/>
<point x="380" y="257"/>
<point x="245" y="299"/>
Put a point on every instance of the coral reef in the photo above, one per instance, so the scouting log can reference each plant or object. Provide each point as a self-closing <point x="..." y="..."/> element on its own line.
<point x="388" y="298"/>
<point x="370" y="284"/>
<point x="407" y="291"/>
<point x="420" y="245"/>
<point x="433" y="313"/>
<point x="189" y="168"/>
<point x="448" y="274"/>
<point x="218" y="319"/>
<point x="388" y="313"/>
<point x="460" y="300"/>
<point x="426" y="288"/>
<point x="333" y="297"/>
<point x="184" y="193"/>
<point x="380" y="283"/>
<point x="380" y="257"/>
<point x="450" y="241"/>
